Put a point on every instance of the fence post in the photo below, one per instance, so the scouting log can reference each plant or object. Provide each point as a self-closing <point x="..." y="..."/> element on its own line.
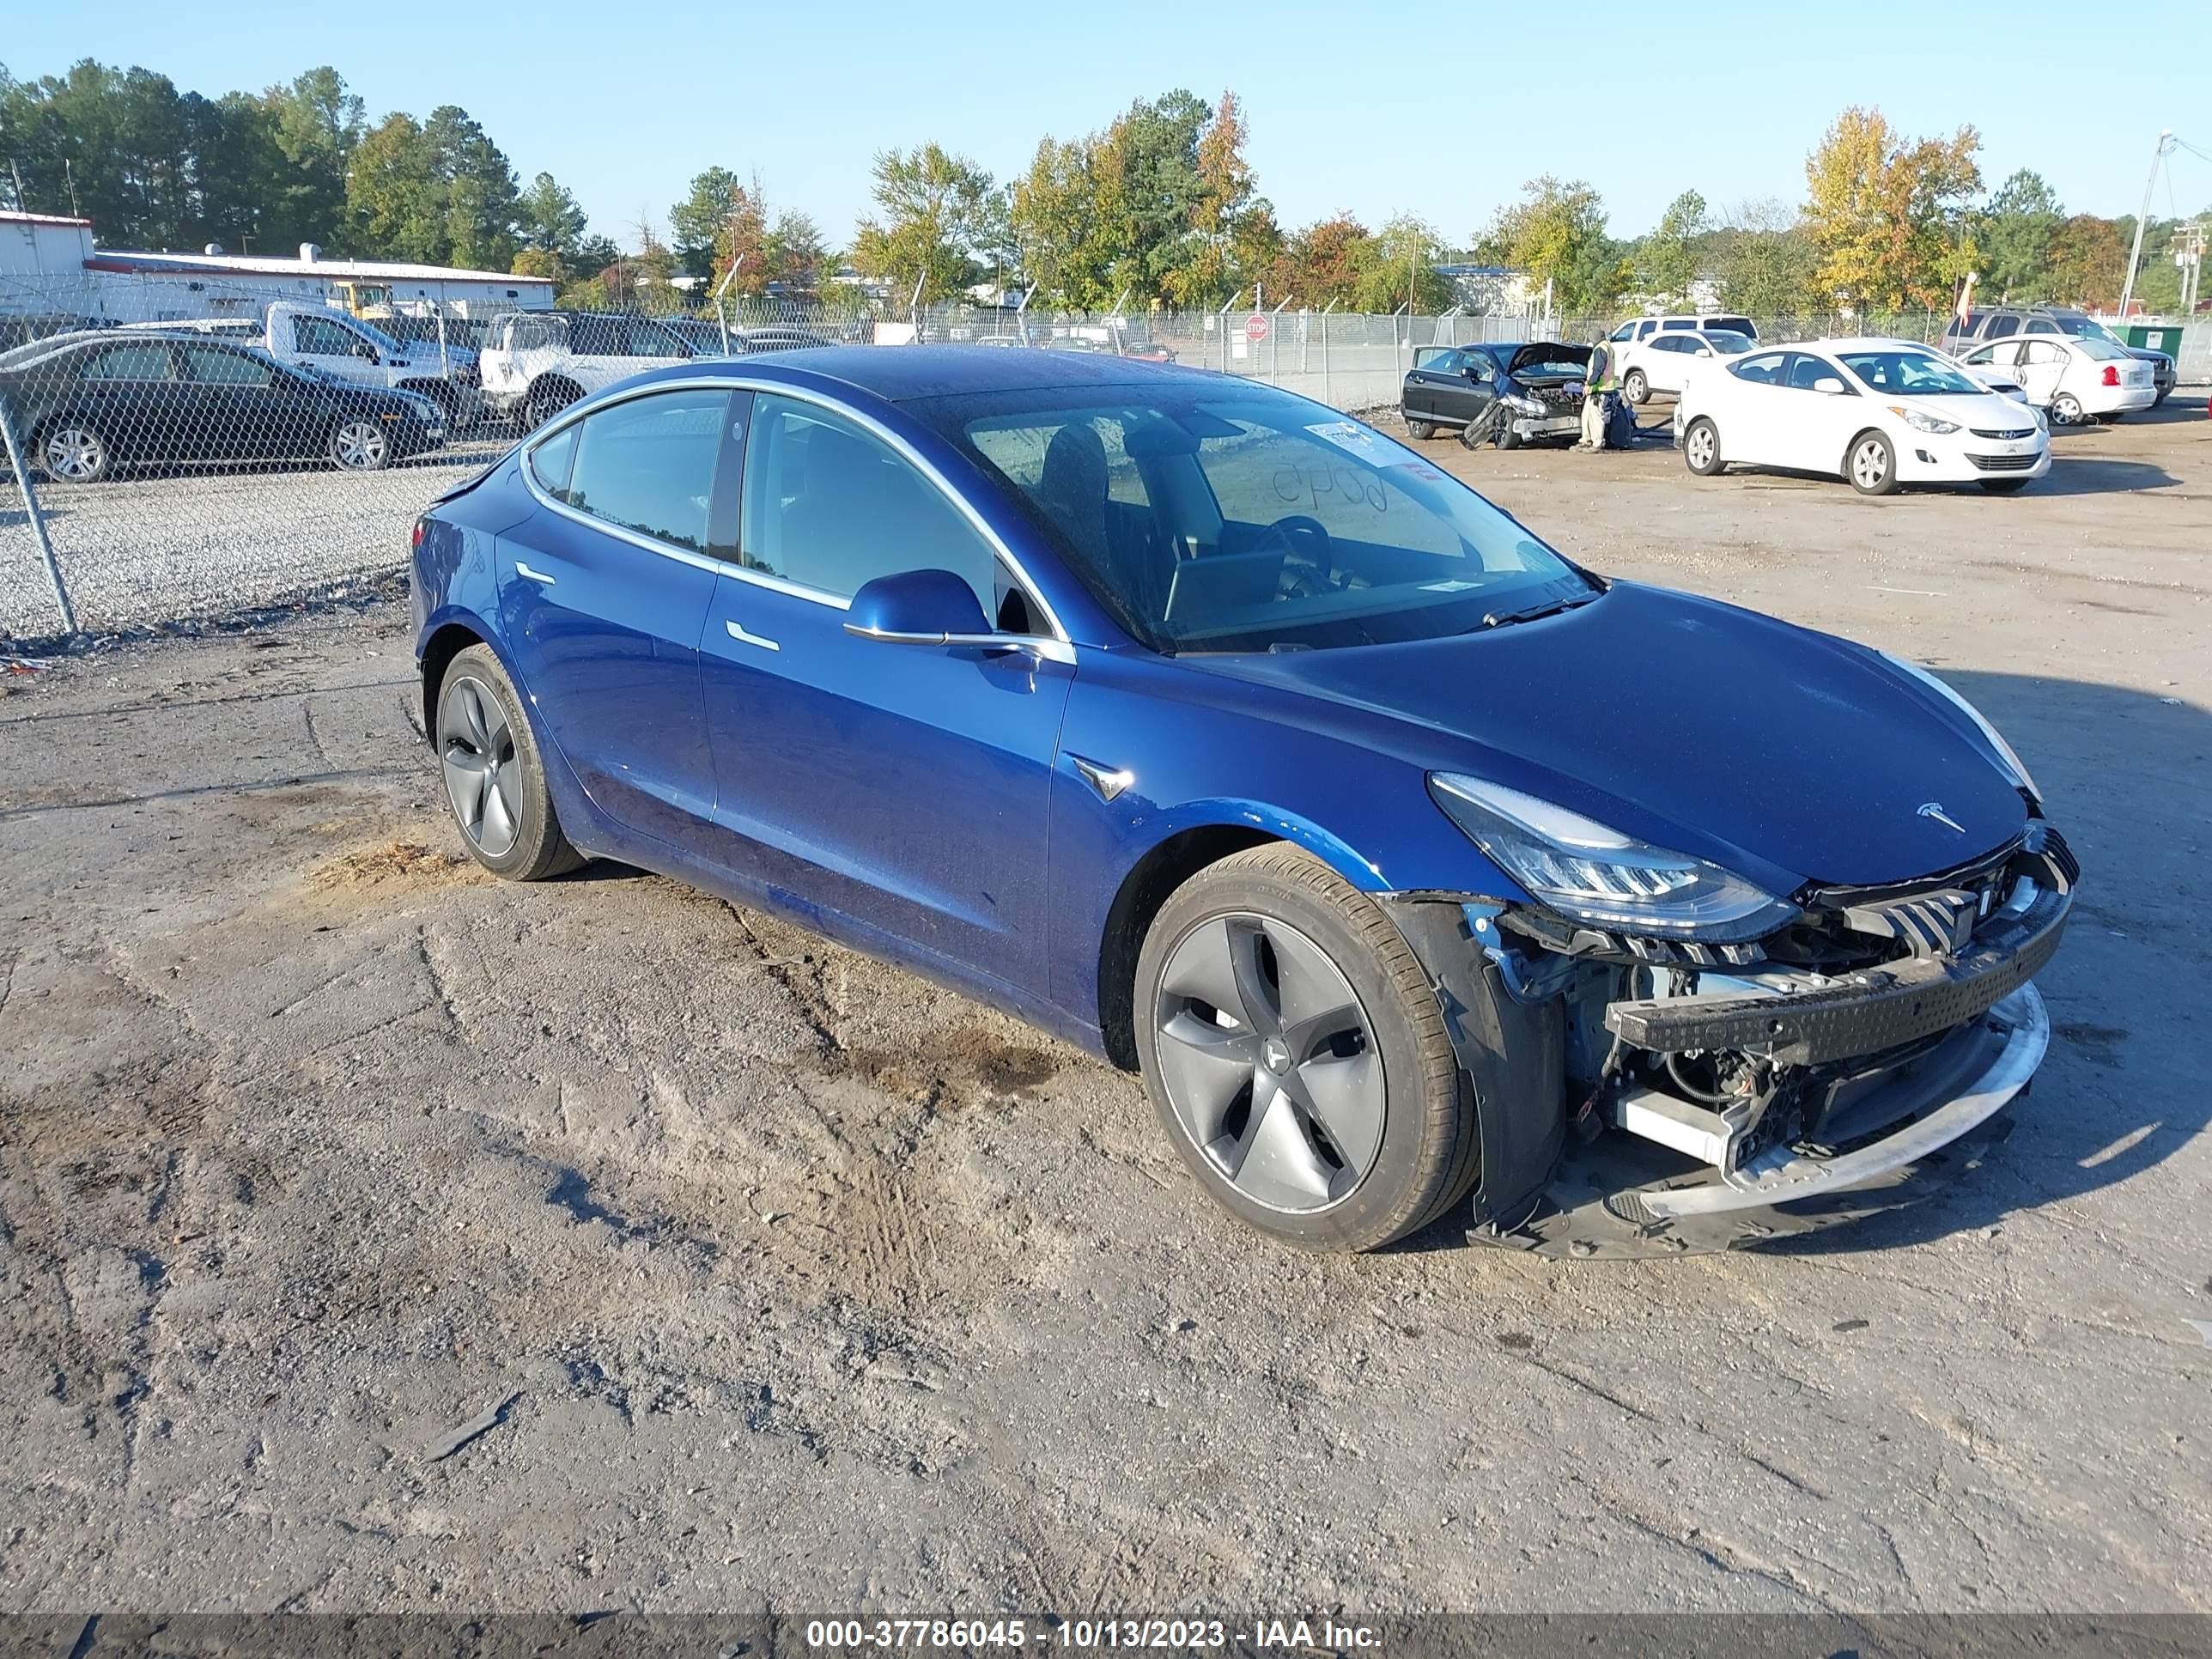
<point x="37" y="520"/>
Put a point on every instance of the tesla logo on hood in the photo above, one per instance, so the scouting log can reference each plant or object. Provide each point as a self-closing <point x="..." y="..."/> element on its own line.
<point x="1934" y="808"/>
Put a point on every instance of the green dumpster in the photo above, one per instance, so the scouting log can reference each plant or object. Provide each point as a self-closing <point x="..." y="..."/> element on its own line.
<point x="2153" y="337"/>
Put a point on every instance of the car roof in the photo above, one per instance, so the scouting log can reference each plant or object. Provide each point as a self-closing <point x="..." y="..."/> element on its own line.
<point x="896" y="373"/>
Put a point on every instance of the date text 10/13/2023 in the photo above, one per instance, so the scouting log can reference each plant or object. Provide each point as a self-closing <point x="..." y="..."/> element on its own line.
<point x="1094" y="1634"/>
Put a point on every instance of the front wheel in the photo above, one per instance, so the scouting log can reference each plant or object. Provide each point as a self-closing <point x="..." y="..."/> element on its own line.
<point x="1872" y="465"/>
<point x="495" y="776"/>
<point x="1634" y="387"/>
<point x="75" y="452"/>
<point x="1701" y="448"/>
<point x="358" y="445"/>
<point x="1297" y="1056"/>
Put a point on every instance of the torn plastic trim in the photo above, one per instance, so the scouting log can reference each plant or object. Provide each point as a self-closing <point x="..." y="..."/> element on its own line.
<point x="1781" y="1177"/>
<point x="1861" y="1014"/>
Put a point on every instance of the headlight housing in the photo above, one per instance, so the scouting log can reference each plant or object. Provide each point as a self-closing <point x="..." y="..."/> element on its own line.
<point x="1921" y="421"/>
<point x="2011" y="763"/>
<point x="1522" y="403"/>
<point x="1589" y="872"/>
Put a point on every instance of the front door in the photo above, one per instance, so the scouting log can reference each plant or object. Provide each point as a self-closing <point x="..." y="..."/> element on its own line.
<point x="604" y="592"/>
<point x="904" y="786"/>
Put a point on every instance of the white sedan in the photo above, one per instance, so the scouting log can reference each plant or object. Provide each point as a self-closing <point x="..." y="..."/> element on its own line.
<point x="2077" y="378"/>
<point x="1661" y="362"/>
<point x="1876" y="412"/>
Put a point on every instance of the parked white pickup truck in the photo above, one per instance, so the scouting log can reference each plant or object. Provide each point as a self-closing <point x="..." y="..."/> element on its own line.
<point x="536" y="363"/>
<point x="341" y="348"/>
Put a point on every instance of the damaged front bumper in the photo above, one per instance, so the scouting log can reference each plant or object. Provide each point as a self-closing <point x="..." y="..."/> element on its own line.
<point x="1736" y="1102"/>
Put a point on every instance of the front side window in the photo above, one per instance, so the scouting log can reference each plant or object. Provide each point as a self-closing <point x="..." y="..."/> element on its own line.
<point x="132" y="362"/>
<point x="315" y="336"/>
<point x="831" y="507"/>
<point x="648" y="338"/>
<point x="1765" y="369"/>
<point x="1914" y="373"/>
<point x="645" y="465"/>
<point x="1236" y="518"/>
<point x="206" y="366"/>
<point x="1807" y="372"/>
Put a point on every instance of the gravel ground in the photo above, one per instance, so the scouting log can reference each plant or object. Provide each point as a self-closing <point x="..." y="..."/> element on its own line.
<point x="375" y="1235"/>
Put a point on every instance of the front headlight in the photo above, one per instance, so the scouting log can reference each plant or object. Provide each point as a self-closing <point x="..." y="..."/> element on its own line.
<point x="1921" y="422"/>
<point x="2011" y="762"/>
<point x="1525" y="405"/>
<point x="1583" y="870"/>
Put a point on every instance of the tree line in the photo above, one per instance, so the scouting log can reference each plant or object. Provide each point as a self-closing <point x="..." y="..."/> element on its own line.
<point x="1160" y="207"/>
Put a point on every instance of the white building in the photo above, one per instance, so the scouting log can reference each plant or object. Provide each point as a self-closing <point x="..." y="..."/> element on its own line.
<point x="49" y="266"/>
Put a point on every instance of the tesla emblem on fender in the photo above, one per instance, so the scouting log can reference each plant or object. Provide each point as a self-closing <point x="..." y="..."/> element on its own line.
<point x="1934" y="808"/>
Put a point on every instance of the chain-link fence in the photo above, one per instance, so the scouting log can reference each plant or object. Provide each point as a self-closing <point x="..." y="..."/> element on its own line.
<point x="193" y="450"/>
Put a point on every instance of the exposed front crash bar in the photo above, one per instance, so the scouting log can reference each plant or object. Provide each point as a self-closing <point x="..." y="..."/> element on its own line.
<point x="1781" y="1177"/>
<point x="1876" y="1009"/>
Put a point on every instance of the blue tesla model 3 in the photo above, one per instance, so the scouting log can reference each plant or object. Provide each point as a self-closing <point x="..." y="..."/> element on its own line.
<point x="1420" y="872"/>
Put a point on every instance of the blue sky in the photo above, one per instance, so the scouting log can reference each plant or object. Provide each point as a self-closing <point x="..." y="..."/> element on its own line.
<point x="1374" y="109"/>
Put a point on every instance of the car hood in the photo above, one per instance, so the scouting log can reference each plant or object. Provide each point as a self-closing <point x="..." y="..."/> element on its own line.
<point x="1968" y="409"/>
<point x="1547" y="351"/>
<point x="1786" y="755"/>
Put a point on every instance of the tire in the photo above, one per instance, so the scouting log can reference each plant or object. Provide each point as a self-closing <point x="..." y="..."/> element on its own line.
<point x="2066" y="409"/>
<point x="1634" y="387"/>
<point x="1507" y="437"/>
<point x="547" y="399"/>
<point x="71" y="451"/>
<point x="2004" y="486"/>
<point x="1317" y="967"/>
<point x="1870" y="464"/>
<point x="1421" y="430"/>
<point x="359" y="444"/>
<point x="2162" y="397"/>
<point x="1701" y="448"/>
<point x="507" y="824"/>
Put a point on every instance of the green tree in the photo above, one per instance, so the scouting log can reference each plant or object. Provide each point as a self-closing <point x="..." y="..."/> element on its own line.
<point x="1765" y="261"/>
<point x="480" y="201"/>
<point x="2015" y="237"/>
<point x="1667" y="262"/>
<point x="1322" y="261"/>
<point x="696" y="224"/>
<point x="1890" y="216"/>
<point x="933" y="209"/>
<point x="392" y="193"/>
<point x="548" y="220"/>
<point x="1556" y="234"/>
<point x="315" y="126"/>
<point x="1399" y="264"/>
<point x="2089" y="260"/>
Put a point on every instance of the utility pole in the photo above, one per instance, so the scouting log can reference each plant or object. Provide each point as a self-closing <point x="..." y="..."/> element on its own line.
<point x="2164" y="149"/>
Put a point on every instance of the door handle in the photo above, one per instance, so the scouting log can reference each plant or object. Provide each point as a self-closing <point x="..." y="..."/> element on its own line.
<point x="522" y="569"/>
<point x="740" y="635"/>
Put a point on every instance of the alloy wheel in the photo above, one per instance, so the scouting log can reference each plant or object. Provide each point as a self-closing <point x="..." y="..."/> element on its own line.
<point x="1699" y="446"/>
<point x="75" y="453"/>
<point x="1869" y="464"/>
<point x="1270" y="1062"/>
<point x="2066" y="409"/>
<point x="476" y="749"/>
<point x="359" y="446"/>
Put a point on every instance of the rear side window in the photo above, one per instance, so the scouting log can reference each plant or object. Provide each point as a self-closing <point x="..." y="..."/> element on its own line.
<point x="551" y="462"/>
<point x="648" y="464"/>
<point x="1999" y="327"/>
<point x="206" y="366"/>
<point x="313" y="336"/>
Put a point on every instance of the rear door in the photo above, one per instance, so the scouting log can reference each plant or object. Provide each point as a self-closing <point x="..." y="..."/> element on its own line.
<point x="130" y="393"/>
<point x="903" y="787"/>
<point x="604" y="589"/>
<point x="2042" y="368"/>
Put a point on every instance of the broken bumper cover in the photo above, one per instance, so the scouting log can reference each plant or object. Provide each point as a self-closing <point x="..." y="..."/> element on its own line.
<point x="1877" y="1009"/>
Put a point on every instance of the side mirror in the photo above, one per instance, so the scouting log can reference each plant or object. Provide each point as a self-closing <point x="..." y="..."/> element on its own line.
<point x="919" y="607"/>
<point x="362" y="349"/>
<point x="1829" y="384"/>
<point x="1704" y="351"/>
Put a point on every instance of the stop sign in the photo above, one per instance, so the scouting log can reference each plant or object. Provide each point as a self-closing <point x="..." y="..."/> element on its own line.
<point x="1255" y="326"/>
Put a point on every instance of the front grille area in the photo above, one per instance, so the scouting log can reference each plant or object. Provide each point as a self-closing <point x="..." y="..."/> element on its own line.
<point x="1992" y="432"/>
<point x="2002" y="463"/>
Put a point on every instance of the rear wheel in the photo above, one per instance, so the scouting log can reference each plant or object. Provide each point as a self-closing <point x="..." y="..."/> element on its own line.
<point x="547" y="399"/>
<point x="1297" y="1056"/>
<point x="2066" y="409"/>
<point x="75" y="452"/>
<point x="1634" y="387"/>
<point x="1421" y="429"/>
<point x="495" y="776"/>
<point x="1701" y="448"/>
<point x="1872" y="465"/>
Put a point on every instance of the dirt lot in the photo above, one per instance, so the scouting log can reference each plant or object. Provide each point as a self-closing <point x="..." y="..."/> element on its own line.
<point x="788" y="1282"/>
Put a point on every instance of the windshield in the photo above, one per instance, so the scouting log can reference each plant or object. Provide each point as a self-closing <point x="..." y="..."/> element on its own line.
<point x="1227" y="518"/>
<point x="1729" y="345"/>
<point x="2087" y="328"/>
<point x="1562" y="365"/>
<point x="1911" y="373"/>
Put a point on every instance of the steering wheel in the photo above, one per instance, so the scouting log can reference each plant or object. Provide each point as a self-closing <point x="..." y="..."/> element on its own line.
<point x="1310" y="564"/>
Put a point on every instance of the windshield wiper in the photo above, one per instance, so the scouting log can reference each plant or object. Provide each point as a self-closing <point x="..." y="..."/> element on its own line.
<point x="1541" y="608"/>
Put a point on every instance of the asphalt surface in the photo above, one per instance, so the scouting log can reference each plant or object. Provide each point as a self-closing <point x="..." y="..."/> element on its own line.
<point x="376" y="1235"/>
